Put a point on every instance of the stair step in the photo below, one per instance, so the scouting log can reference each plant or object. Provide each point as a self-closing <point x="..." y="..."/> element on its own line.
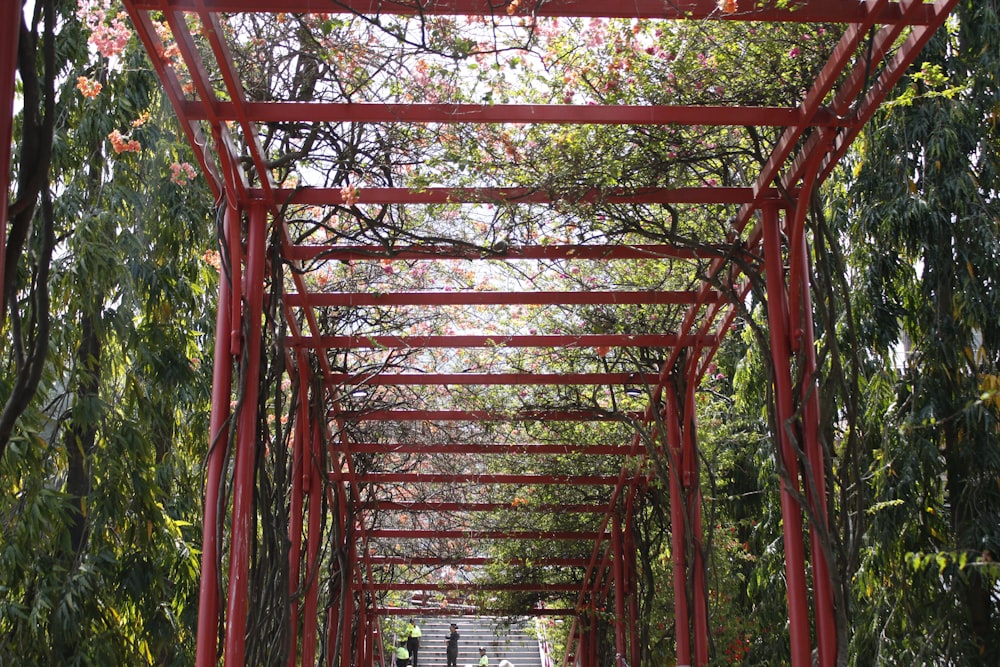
<point x="512" y="643"/>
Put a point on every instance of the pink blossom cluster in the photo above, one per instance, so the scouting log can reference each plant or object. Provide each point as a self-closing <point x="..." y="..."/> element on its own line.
<point x="108" y="33"/>
<point x="182" y="173"/>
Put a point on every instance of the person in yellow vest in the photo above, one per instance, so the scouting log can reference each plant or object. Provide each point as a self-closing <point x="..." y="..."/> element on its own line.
<point x="484" y="661"/>
<point x="412" y="634"/>
<point x="402" y="655"/>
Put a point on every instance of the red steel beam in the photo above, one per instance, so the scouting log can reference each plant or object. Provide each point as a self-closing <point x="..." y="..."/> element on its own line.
<point x="791" y="511"/>
<point x="538" y="252"/>
<point x="516" y="195"/>
<point x="487" y="415"/>
<point x="477" y="448"/>
<point x="443" y="506"/>
<point x="476" y="561"/>
<point x="408" y="379"/>
<point x="562" y="535"/>
<point x="464" y="610"/>
<point x="646" y="297"/>
<point x="467" y="586"/>
<point x="821" y="11"/>
<point x="580" y="114"/>
<point x="206" y="652"/>
<point x="246" y="449"/>
<point x="390" y="342"/>
<point x="484" y="478"/>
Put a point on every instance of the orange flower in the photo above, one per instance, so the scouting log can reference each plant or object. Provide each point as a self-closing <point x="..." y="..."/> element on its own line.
<point x="122" y="145"/>
<point x="88" y="87"/>
<point x="728" y="6"/>
<point x="350" y="195"/>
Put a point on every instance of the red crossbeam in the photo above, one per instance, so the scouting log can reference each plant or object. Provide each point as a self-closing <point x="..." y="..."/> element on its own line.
<point x="822" y="11"/>
<point x="467" y="586"/>
<point x="474" y="561"/>
<point x="459" y="611"/>
<point x="512" y="195"/>
<point x="487" y="415"/>
<point x="493" y="298"/>
<point x="482" y="448"/>
<point x="580" y="114"/>
<point x="406" y="379"/>
<point x="442" y="506"/>
<point x="484" y="478"/>
<point x="390" y="342"/>
<point x="399" y="534"/>
<point x="539" y="252"/>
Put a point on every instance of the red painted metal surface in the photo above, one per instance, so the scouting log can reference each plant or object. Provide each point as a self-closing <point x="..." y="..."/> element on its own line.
<point x="327" y="509"/>
<point x="537" y="252"/>
<point x="487" y="379"/>
<point x="455" y="342"/>
<point x="611" y="114"/>
<point x="520" y="195"/>
<point x="246" y="448"/>
<point x="746" y="10"/>
<point x="222" y="383"/>
<point x="358" y="299"/>
<point x="791" y="512"/>
<point x="481" y="448"/>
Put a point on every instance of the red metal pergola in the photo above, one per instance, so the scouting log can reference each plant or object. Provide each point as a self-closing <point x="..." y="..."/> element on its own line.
<point x="337" y="499"/>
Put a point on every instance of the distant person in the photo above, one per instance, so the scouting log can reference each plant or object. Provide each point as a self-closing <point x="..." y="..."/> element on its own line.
<point x="452" y="650"/>
<point x="506" y="663"/>
<point x="484" y="661"/>
<point x="402" y="655"/>
<point x="412" y="634"/>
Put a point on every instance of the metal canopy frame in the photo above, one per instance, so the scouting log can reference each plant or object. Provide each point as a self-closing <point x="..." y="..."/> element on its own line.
<point x="221" y="122"/>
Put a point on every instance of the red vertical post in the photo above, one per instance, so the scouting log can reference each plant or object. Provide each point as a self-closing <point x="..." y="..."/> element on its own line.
<point x="246" y="444"/>
<point x="10" y="20"/>
<point x="313" y="489"/>
<point x="815" y="486"/>
<point x="618" y="572"/>
<point x="206" y="652"/>
<point x="592" y="640"/>
<point x="235" y="252"/>
<point x="377" y="642"/>
<point x="350" y="612"/>
<point x="678" y="522"/>
<point x="300" y="446"/>
<point x="633" y="597"/>
<point x="692" y="488"/>
<point x="777" y="314"/>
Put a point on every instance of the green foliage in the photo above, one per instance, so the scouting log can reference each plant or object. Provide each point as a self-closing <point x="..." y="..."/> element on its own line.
<point x="100" y="484"/>
<point x="926" y="183"/>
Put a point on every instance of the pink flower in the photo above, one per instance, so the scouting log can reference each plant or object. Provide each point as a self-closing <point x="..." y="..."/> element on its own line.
<point x="108" y="35"/>
<point x="182" y="173"/>
<point x="794" y="52"/>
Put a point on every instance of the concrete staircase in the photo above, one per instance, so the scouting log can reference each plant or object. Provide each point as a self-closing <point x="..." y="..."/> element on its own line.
<point x="513" y="643"/>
